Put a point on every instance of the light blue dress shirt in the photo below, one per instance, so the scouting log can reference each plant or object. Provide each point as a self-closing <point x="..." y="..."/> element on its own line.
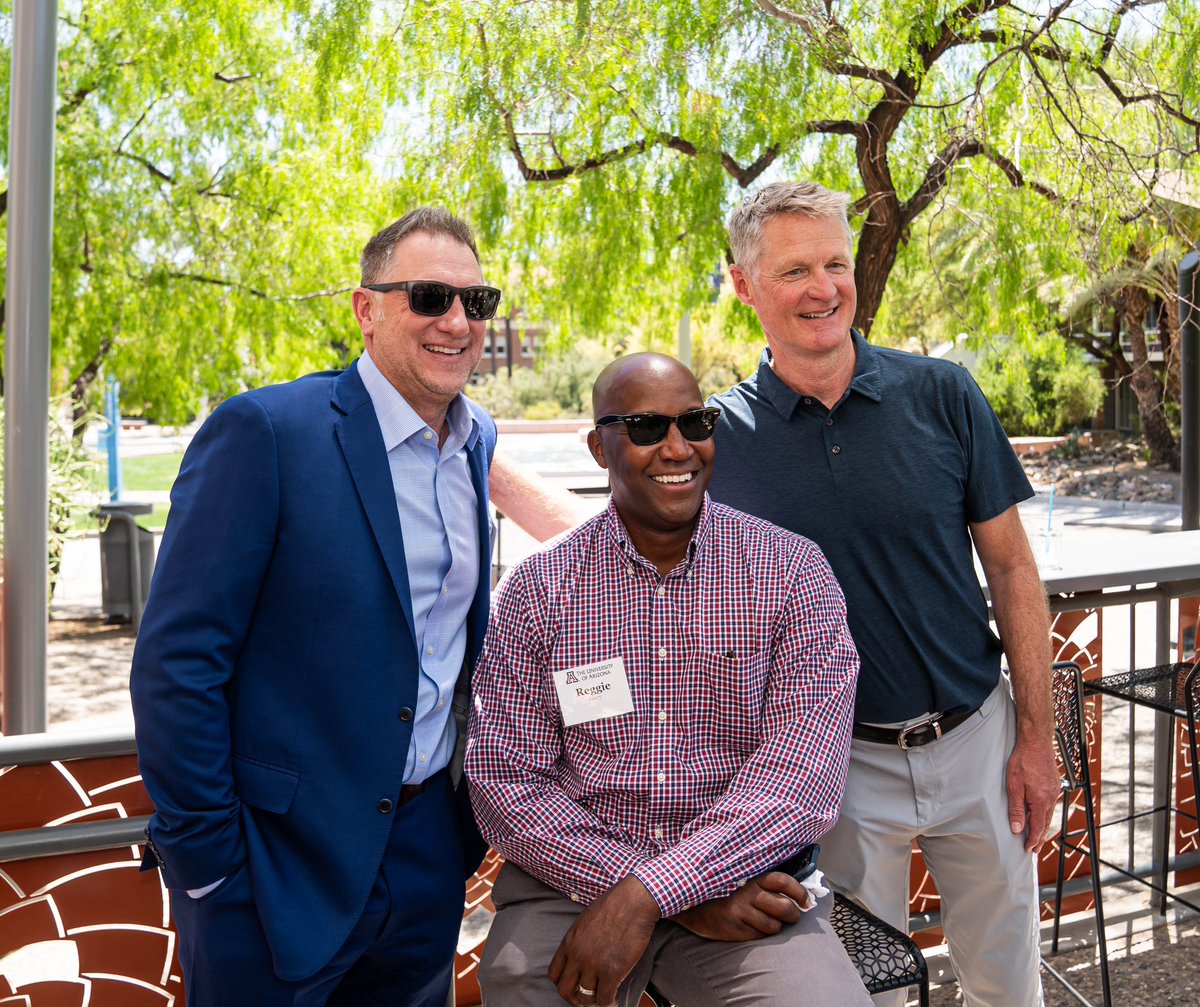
<point x="439" y="519"/>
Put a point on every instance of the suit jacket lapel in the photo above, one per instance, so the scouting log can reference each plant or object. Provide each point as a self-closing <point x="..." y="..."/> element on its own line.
<point x="477" y="619"/>
<point x="362" y="445"/>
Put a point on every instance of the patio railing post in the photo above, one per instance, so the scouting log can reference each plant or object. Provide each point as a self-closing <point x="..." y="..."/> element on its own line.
<point x="1189" y="365"/>
<point x="27" y="363"/>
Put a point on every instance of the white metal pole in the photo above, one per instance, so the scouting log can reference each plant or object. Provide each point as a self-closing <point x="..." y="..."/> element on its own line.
<point x="27" y="363"/>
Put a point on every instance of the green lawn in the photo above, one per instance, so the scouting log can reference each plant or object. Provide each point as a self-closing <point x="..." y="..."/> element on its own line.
<point x="141" y="474"/>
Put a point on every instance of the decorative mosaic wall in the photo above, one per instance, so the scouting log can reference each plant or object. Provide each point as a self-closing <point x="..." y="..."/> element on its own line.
<point x="82" y="929"/>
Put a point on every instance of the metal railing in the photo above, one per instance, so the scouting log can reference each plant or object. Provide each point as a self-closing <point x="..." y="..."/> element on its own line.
<point x="81" y="837"/>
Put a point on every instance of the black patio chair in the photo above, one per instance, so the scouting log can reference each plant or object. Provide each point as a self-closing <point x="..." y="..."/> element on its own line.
<point x="1191" y="691"/>
<point x="1070" y="731"/>
<point x="886" y="959"/>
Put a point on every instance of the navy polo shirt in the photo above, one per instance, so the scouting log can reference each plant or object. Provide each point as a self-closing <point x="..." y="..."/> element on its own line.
<point x="885" y="483"/>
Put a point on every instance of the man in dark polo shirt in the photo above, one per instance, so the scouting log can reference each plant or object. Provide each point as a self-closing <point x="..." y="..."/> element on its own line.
<point x="895" y="464"/>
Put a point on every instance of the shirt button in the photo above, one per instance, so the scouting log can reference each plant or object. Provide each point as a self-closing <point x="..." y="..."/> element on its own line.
<point x="441" y="703"/>
<point x="428" y="650"/>
<point x="808" y="401"/>
<point x="661" y="591"/>
<point x="629" y="570"/>
<point x="829" y="422"/>
<point x="406" y="714"/>
<point x="836" y="449"/>
<point x="574" y="897"/>
<point x="385" y="807"/>
<point x="658" y="833"/>
<point x="428" y="435"/>
<point x="662" y="651"/>
<point x="662" y="714"/>
<point x="662" y="777"/>
<point x="423" y="757"/>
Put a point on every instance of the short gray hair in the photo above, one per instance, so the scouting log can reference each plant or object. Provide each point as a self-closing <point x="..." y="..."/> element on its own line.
<point x="425" y="220"/>
<point x="805" y="198"/>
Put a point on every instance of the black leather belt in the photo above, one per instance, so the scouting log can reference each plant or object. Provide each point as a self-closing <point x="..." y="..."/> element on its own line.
<point x="410" y="790"/>
<point x="916" y="735"/>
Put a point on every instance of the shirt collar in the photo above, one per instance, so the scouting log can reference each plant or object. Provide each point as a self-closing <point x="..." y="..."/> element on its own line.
<point x="619" y="536"/>
<point x="398" y="421"/>
<point x="866" y="380"/>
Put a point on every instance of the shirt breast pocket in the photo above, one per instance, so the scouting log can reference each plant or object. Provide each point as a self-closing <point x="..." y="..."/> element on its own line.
<point x="733" y="689"/>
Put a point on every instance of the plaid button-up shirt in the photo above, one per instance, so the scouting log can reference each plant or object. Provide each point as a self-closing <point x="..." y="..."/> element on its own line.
<point x="742" y="673"/>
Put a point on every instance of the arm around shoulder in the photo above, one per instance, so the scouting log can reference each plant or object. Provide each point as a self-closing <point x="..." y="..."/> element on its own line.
<point x="540" y="508"/>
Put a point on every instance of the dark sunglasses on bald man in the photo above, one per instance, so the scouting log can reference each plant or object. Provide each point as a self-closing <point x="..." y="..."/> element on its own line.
<point x="645" y="429"/>
<point x="429" y="297"/>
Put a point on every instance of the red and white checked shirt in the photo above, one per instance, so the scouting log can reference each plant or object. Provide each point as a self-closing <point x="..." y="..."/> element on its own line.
<point x="742" y="673"/>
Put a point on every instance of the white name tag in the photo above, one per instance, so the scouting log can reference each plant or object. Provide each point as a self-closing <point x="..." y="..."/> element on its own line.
<point x="593" y="691"/>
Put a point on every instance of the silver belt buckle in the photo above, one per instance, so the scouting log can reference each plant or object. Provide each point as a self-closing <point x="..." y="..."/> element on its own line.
<point x="934" y="722"/>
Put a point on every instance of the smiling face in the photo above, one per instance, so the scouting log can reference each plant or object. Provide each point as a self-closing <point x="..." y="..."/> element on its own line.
<point x="427" y="360"/>
<point x="657" y="489"/>
<point x="802" y="289"/>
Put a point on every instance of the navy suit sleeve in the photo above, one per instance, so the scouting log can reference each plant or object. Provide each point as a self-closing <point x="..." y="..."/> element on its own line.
<point x="215" y="551"/>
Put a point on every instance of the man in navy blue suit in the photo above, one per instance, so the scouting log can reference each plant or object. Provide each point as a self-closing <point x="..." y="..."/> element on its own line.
<point x="319" y="598"/>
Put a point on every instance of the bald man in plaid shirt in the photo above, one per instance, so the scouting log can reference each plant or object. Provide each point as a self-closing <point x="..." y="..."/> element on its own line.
<point x="662" y="715"/>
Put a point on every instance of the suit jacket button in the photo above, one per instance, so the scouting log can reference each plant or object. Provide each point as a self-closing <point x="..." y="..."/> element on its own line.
<point x="406" y="714"/>
<point x="385" y="807"/>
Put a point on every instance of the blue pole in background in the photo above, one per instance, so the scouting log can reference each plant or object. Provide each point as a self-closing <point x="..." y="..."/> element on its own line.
<point x="112" y="414"/>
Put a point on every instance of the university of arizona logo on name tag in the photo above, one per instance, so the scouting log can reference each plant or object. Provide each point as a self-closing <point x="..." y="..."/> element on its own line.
<point x="593" y="691"/>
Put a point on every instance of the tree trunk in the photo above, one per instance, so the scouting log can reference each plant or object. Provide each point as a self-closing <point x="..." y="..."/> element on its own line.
<point x="878" y="245"/>
<point x="1168" y="335"/>
<point x="82" y="384"/>
<point x="1147" y="389"/>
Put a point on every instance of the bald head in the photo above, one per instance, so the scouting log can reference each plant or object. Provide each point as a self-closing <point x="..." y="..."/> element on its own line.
<point x="632" y="377"/>
<point x="657" y="484"/>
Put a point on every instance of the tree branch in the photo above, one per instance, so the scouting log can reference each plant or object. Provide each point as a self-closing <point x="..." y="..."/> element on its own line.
<point x="744" y="176"/>
<point x="145" y="163"/>
<point x="789" y="17"/>
<point x="938" y="173"/>
<point x="217" y="281"/>
<point x="74" y="101"/>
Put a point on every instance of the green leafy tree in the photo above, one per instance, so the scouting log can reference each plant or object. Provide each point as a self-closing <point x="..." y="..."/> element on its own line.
<point x="210" y="200"/>
<point x="68" y="478"/>
<point x="604" y="142"/>
<point x="1040" y="385"/>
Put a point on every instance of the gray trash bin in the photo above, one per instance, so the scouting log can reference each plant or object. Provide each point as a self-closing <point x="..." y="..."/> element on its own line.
<point x="124" y="581"/>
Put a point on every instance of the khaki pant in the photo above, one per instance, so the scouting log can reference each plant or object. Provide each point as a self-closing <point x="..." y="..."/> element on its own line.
<point x="803" y="966"/>
<point x="950" y="797"/>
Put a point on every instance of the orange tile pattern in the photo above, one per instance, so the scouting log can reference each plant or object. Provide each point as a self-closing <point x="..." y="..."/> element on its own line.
<point x="82" y="929"/>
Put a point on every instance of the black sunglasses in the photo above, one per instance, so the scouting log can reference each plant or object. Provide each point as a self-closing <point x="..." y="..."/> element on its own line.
<point x="645" y="429"/>
<point x="429" y="297"/>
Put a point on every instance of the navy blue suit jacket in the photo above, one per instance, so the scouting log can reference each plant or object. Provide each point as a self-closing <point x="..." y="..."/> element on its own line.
<point x="275" y="671"/>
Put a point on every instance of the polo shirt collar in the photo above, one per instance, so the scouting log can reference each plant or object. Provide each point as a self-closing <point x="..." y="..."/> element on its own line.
<point x="398" y="421"/>
<point x="866" y="381"/>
